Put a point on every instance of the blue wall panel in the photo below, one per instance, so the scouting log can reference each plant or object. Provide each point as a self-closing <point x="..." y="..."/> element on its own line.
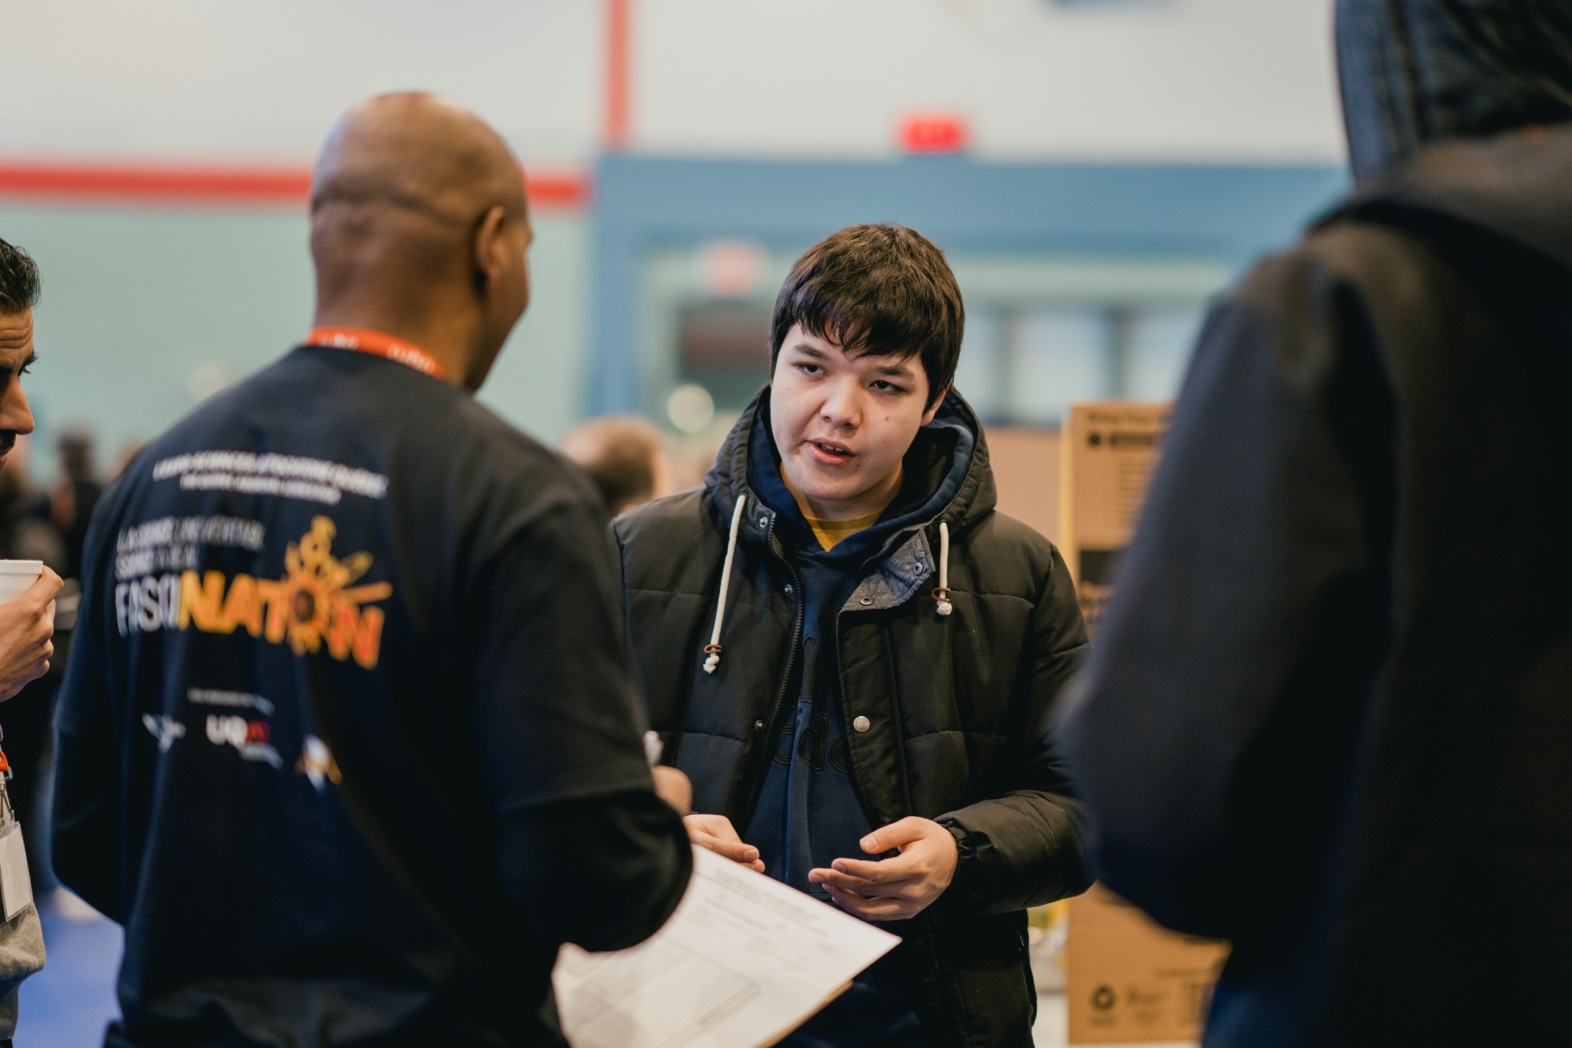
<point x="643" y="204"/>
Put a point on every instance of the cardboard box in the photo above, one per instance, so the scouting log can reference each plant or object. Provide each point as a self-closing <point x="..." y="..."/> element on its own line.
<point x="1129" y="981"/>
<point x="1110" y="451"/>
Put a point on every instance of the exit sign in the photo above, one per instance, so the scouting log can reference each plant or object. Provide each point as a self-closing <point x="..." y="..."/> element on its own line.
<point x="934" y="133"/>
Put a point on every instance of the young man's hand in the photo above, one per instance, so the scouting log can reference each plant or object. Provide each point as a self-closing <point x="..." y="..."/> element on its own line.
<point x="673" y="787"/>
<point x="898" y="888"/>
<point x="716" y="833"/>
<point x="27" y="626"/>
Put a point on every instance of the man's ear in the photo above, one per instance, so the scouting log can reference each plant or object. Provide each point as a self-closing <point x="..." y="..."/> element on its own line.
<point x="489" y="259"/>
<point x="933" y="409"/>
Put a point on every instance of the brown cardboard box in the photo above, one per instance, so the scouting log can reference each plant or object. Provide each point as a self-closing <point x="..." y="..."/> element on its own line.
<point x="1129" y="981"/>
<point x="1110" y="451"/>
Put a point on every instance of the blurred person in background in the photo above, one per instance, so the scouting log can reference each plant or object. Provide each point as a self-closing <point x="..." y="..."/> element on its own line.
<point x="124" y="457"/>
<point x="26" y="621"/>
<point x="76" y="491"/>
<point x="24" y="533"/>
<point x="1329" y="713"/>
<point x="625" y="457"/>
<point x="347" y="741"/>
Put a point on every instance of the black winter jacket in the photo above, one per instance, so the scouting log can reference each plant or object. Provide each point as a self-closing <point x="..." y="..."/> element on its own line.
<point x="957" y="708"/>
<point x="1329" y="710"/>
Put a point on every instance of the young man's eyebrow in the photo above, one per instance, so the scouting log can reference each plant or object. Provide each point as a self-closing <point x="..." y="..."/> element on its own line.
<point x="903" y="369"/>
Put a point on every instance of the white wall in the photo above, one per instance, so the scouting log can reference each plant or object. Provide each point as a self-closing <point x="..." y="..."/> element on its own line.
<point x="253" y="79"/>
<point x="1140" y="79"/>
<point x="263" y="79"/>
<point x="144" y="305"/>
<point x="144" y="313"/>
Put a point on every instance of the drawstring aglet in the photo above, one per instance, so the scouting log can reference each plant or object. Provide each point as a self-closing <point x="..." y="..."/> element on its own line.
<point x="712" y="650"/>
<point x="941" y="595"/>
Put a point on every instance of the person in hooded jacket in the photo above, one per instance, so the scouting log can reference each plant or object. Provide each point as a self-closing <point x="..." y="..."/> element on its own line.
<point x="1329" y="711"/>
<point x="853" y="655"/>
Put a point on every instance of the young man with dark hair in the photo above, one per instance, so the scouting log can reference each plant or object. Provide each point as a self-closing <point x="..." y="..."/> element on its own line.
<point x="853" y="655"/>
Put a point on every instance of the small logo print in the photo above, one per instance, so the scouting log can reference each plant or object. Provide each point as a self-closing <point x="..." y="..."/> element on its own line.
<point x="164" y="729"/>
<point x="317" y="764"/>
<point x="249" y="737"/>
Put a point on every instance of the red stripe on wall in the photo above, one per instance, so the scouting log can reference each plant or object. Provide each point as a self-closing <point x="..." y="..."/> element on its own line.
<point x="560" y="192"/>
<point x="208" y="186"/>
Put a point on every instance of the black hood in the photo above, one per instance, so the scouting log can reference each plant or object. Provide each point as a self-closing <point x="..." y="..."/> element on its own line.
<point x="1516" y="187"/>
<point x="1418" y="71"/>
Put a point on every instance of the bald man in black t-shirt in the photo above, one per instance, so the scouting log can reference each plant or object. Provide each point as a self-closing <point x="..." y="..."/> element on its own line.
<point x="347" y="740"/>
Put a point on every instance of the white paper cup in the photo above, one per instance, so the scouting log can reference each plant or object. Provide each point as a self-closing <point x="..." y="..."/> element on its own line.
<point x="17" y="577"/>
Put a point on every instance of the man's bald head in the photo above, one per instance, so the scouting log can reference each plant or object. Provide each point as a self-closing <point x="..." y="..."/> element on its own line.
<point x="418" y="211"/>
<point x="415" y="153"/>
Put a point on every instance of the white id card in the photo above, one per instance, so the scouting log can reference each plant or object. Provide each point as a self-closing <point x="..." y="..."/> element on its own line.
<point x="16" y="887"/>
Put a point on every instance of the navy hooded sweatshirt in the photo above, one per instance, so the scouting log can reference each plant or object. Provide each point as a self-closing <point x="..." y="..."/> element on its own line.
<point x="808" y="813"/>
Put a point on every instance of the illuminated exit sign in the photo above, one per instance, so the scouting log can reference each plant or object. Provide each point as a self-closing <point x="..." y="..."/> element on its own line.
<point x="934" y="133"/>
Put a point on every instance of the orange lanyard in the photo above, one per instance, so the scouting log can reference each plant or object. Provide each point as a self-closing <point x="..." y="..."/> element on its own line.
<point x="378" y="344"/>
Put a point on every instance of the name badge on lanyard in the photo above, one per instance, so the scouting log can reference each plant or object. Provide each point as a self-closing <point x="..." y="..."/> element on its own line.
<point x="16" y="884"/>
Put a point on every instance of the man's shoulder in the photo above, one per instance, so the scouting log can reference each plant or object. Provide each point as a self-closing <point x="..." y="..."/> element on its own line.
<point x="1340" y="263"/>
<point x="514" y="454"/>
<point x="434" y="423"/>
<point x="508" y="480"/>
<point x="299" y="420"/>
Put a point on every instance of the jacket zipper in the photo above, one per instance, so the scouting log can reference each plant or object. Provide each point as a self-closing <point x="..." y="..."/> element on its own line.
<point x="905" y="772"/>
<point x="759" y="763"/>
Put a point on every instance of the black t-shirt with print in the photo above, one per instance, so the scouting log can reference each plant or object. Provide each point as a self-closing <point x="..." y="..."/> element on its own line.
<point x="344" y="633"/>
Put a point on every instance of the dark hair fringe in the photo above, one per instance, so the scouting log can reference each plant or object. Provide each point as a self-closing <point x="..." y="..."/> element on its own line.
<point x="879" y="290"/>
<point x="19" y="283"/>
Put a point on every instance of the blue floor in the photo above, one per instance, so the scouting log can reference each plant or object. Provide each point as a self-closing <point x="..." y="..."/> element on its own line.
<point x="68" y="1004"/>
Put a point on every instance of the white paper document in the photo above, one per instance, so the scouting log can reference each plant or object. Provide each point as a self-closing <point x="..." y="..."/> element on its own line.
<point x="742" y="962"/>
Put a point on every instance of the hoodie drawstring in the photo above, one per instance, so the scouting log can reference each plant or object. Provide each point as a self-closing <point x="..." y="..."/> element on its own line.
<point x="941" y="595"/>
<point x="712" y="650"/>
